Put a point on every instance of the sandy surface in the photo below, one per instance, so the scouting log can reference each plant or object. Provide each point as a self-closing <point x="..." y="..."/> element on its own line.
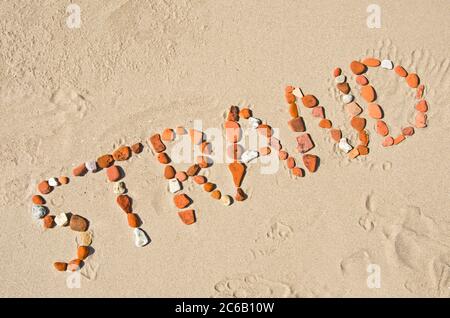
<point x="133" y="68"/>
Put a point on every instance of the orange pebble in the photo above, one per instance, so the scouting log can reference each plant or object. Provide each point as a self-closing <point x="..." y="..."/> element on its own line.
<point x="60" y="266"/>
<point x="408" y="131"/>
<point x="208" y="186"/>
<point x="168" y="134"/>
<point x="290" y="98"/>
<point x="363" y="150"/>
<point x="264" y="151"/>
<point x="362" y="80"/>
<point x="265" y="130"/>
<point x="137" y="148"/>
<point x="357" y="67"/>
<point x="44" y="187"/>
<point x="398" y="139"/>
<point x="181" y="200"/>
<point x="187" y="216"/>
<point x="82" y="252"/>
<point x="245" y="113"/>
<point x="199" y="179"/>
<point x="48" y="221"/>
<point x="419" y="91"/>
<point x="364" y="138"/>
<point x="371" y="61"/>
<point x="290" y="162"/>
<point x="181" y="176"/>
<point x="400" y="71"/>
<point x="169" y="172"/>
<point x="368" y="93"/>
<point x="336" y="134"/>
<point x="421" y="120"/>
<point x="289" y="89"/>
<point x="382" y="128"/>
<point x="310" y="101"/>
<point x="388" y="141"/>
<point x="216" y="194"/>
<point x="353" y="153"/>
<point x="196" y="136"/>
<point x="122" y="153"/>
<point x="337" y="71"/>
<point x="325" y="123"/>
<point x="358" y="123"/>
<point x="63" y="180"/>
<point x="237" y="170"/>
<point x="343" y="87"/>
<point x="422" y="106"/>
<point x="293" y="110"/>
<point x="37" y="199"/>
<point x="283" y="155"/>
<point x="311" y="162"/>
<point x="233" y="131"/>
<point x="163" y="158"/>
<point x="133" y="220"/>
<point x="412" y="80"/>
<point x="375" y="111"/>
<point x="298" y="172"/>
<point x="74" y="265"/>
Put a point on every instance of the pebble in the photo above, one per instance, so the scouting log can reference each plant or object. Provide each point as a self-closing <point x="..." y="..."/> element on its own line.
<point x="125" y="203"/>
<point x="63" y="180"/>
<point x="304" y="143"/>
<point x="157" y="144"/>
<point x="422" y="106"/>
<point x="169" y="172"/>
<point x="199" y="179"/>
<point x="122" y="153"/>
<point x="137" y="148"/>
<point x="363" y="137"/>
<point x="91" y="166"/>
<point x="421" y="120"/>
<point x="105" y="161"/>
<point x="387" y="64"/>
<point x="382" y="128"/>
<point x="245" y="113"/>
<point x="340" y="79"/>
<point x="310" y="101"/>
<point x="113" y="173"/>
<point x="368" y="93"/>
<point x="336" y="134"/>
<point x="233" y="115"/>
<point x="206" y="148"/>
<point x="337" y="71"/>
<point x="74" y="265"/>
<point x="283" y="155"/>
<point x="264" y="151"/>
<point x="78" y="223"/>
<point x="180" y="130"/>
<point x="408" y="131"/>
<point x="237" y="170"/>
<point x="311" y="162"/>
<point x="38" y="212"/>
<point x="61" y="219"/>
<point x="48" y="221"/>
<point x="254" y="122"/>
<point x="119" y="187"/>
<point x="412" y="80"/>
<point x="187" y="216"/>
<point x="249" y="155"/>
<point x="344" y="145"/>
<point x="37" y="199"/>
<point x="196" y="136"/>
<point x="275" y="143"/>
<point x="234" y="151"/>
<point x="140" y="238"/>
<point x="174" y="185"/>
<point x="265" y="130"/>
<point x="53" y="182"/>
<point x="358" y="123"/>
<point x="80" y="170"/>
<point x="362" y="80"/>
<point x="233" y="132"/>
<point x="318" y="112"/>
<point x="371" y="61"/>
<point x="353" y="153"/>
<point x="82" y="252"/>
<point x="181" y="200"/>
<point x="204" y="161"/>
<point x="133" y="220"/>
<point x="375" y="111"/>
<point x="297" y="92"/>
<point x="290" y="98"/>
<point x="163" y="158"/>
<point x="181" y="176"/>
<point x="298" y="172"/>
<point x="357" y="67"/>
<point x="44" y="188"/>
<point x="240" y="195"/>
<point x="60" y="266"/>
<point x="290" y="163"/>
<point x="325" y="123"/>
<point x="208" y="186"/>
<point x="86" y="238"/>
<point x="216" y="194"/>
<point x="193" y="170"/>
<point x="353" y="109"/>
<point x="400" y="71"/>
<point x="399" y="139"/>
<point x="347" y="98"/>
<point x="296" y="124"/>
<point x="226" y="200"/>
<point x="293" y="110"/>
<point x="168" y="134"/>
<point x="420" y="90"/>
<point x="362" y="150"/>
<point x="388" y="141"/>
<point x="343" y="87"/>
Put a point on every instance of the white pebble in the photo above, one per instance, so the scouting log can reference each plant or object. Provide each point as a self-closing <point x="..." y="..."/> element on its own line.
<point x="254" y="122"/>
<point x="344" y="145"/>
<point x="119" y="187"/>
<point x="61" y="219"/>
<point x="140" y="238"/>
<point x="297" y="92"/>
<point x="340" y="79"/>
<point x="347" y="98"/>
<point x="91" y="165"/>
<point x="226" y="200"/>
<point x="249" y="155"/>
<point x="53" y="182"/>
<point x="387" y="64"/>
<point x="174" y="185"/>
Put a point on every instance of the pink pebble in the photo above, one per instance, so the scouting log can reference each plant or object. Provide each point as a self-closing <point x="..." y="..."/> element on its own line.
<point x="318" y="112"/>
<point x="113" y="173"/>
<point x="362" y="80"/>
<point x="388" y="141"/>
<point x="304" y="143"/>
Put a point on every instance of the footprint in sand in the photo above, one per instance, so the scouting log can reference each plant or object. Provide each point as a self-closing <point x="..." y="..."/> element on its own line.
<point x="270" y="241"/>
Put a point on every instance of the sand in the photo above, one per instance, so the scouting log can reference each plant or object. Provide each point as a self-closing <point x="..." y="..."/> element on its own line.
<point x="134" y="68"/>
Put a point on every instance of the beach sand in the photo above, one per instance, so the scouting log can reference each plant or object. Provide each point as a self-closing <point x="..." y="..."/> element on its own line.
<point x="134" y="68"/>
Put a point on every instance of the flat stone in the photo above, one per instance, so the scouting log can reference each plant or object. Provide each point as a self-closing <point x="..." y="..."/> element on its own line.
<point x="340" y="79"/>
<point x="174" y="185"/>
<point x="38" y="211"/>
<point x="53" y="182"/>
<point x="91" y="165"/>
<point x="140" y="238"/>
<point x="387" y="64"/>
<point x="344" y="145"/>
<point x="347" y="98"/>
<point x="119" y="187"/>
<point x="296" y="124"/>
<point x="61" y="219"/>
<point x="249" y="155"/>
<point x="254" y="122"/>
<point x="78" y="223"/>
<point x="304" y="143"/>
<point x="226" y="200"/>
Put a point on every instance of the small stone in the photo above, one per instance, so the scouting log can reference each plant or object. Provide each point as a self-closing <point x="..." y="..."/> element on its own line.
<point x="82" y="252"/>
<point x="125" y="203"/>
<point x="181" y="176"/>
<point x="168" y="134"/>
<point x="48" y="221"/>
<point x="363" y="137"/>
<point x="337" y="71"/>
<point x="233" y="114"/>
<point x="63" y="180"/>
<point x="400" y="71"/>
<point x="297" y="124"/>
<point x="79" y="171"/>
<point x="399" y="139"/>
<point x="60" y="266"/>
<point x="290" y="162"/>
<point x="197" y="137"/>
<point x="206" y="148"/>
<point x="174" y="185"/>
<point x="388" y="141"/>
<point x="122" y="153"/>
<point x="371" y="61"/>
<point x="187" y="216"/>
<point x="387" y="64"/>
<point x="200" y="179"/>
<point x="240" y="195"/>
<point x="408" y="131"/>
<point x="340" y="79"/>
<point x="37" y="199"/>
<point x="74" y="265"/>
<point x="362" y="150"/>
<point x="78" y="223"/>
<point x="275" y="143"/>
<point x="347" y="98"/>
<point x="293" y="110"/>
<point x="226" y="200"/>
<point x="133" y="220"/>
<point x="318" y="112"/>
<point x="38" y="212"/>
<point x="193" y="170"/>
<point x="382" y="128"/>
<point x="283" y="155"/>
<point x="265" y="130"/>
<point x="343" y="87"/>
<point x="169" y="172"/>
<point x="119" y="187"/>
<point x="156" y="143"/>
<point x="91" y="166"/>
<point x="310" y="101"/>
<point x="113" y="173"/>
<point x="105" y="161"/>
<point x="61" y="219"/>
<point x="344" y="145"/>
<point x="264" y="151"/>
<point x="249" y="155"/>
<point x="216" y="194"/>
<point x="298" y="172"/>
<point x="357" y="67"/>
<point x="53" y="182"/>
<point x="358" y="123"/>
<point x="245" y="113"/>
<point x="353" y="153"/>
<point x="422" y="106"/>
<point x="304" y="143"/>
<point x="362" y="80"/>
<point x="237" y="170"/>
<point x="85" y="238"/>
<point x="233" y="132"/>
<point x="336" y="134"/>
<point x="208" y="186"/>
<point x="137" y="148"/>
<point x="375" y="111"/>
<point x="368" y="93"/>
<point x="419" y="91"/>
<point x="180" y="130"/>
<point x="297" y="92"/>
<point x="421" y="120"/>
<point x="311" y="162"/>
<point x="254" y="122"/>
<point x="412" y="80"/>
<point x="290" y="98"/>
<point x="163" y="158"/>
<point x="140" y="238"/>
<point x="325" y="123"/>
<point x="181" y="200"/>
<point x="353" y="109"/>
<point x="289" y="89"/>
